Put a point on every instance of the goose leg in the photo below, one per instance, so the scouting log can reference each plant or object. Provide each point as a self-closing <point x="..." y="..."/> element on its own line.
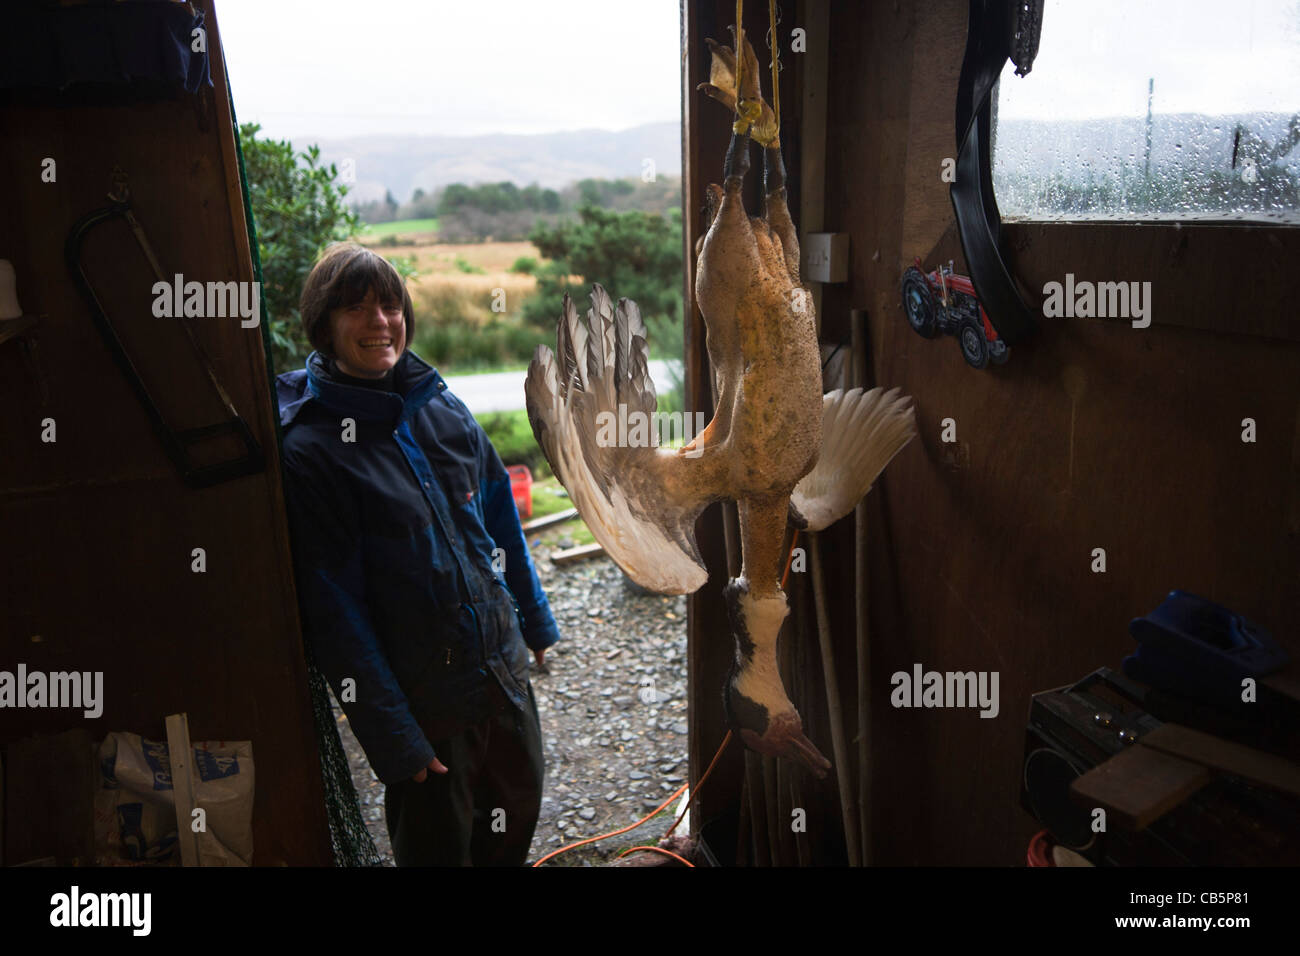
<point x="777" y="212"/>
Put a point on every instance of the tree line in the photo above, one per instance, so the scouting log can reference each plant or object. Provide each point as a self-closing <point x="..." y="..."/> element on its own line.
<point x="506" y="212"/>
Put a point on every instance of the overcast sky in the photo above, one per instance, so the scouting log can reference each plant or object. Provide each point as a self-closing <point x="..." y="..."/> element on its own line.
<point x="332" y="68"/>
<point x="1206" y="56"/>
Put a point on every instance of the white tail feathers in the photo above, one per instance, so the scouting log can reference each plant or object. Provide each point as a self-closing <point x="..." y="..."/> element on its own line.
<point x="861" y="432"/>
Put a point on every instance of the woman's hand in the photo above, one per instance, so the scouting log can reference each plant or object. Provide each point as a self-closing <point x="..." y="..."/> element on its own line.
<point x="435" y="765"/>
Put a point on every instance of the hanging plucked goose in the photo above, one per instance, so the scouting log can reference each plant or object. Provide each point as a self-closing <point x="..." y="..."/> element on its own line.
<point x="759" y="449"/>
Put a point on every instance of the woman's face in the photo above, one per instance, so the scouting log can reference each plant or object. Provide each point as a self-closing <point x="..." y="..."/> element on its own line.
<point x="369" y="337"/>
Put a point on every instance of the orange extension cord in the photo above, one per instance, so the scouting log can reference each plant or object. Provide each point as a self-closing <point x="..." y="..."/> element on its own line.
<point x="676" y="793"/>
<point x="673" y="796"/>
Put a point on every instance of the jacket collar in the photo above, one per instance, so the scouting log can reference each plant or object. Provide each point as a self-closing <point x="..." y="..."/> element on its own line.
<point x="415" y="379"/>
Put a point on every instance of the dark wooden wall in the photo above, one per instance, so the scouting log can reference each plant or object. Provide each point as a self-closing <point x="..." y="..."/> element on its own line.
<point x="97" y="527"/>
<point x="1094" y="435"/>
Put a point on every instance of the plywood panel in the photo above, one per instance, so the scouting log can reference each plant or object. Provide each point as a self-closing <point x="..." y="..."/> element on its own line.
<point x="1094" y="435"/>
<point x="98" y="528"/>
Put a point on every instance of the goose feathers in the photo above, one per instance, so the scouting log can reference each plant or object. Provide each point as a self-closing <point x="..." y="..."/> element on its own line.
<point x="861" y="432"/>
<point x="621" y="491"/>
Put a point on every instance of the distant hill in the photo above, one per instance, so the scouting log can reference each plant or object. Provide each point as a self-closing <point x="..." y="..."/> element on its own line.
<point x="403" y="163"/>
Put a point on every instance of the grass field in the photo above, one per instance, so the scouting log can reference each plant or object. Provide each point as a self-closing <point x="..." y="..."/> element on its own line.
<point x="468" y="304"/>
<point x="441" y="257"/>
<point x="404" y="227"/>
<point x="457" y="284"/>
<point x="549" y="498"/>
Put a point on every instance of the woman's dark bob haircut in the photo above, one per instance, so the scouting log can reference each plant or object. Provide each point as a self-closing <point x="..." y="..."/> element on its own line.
<point x="344" y="276"/>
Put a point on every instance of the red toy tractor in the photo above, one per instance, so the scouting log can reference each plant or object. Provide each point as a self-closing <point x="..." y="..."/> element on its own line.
<point x="944" y="303"/>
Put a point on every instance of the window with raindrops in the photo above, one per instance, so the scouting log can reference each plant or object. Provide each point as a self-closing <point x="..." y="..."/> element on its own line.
<point x="1156" y="110"/>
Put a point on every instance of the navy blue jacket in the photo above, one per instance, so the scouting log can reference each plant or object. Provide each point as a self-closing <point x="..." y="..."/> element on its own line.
<point x="398" y="538"/>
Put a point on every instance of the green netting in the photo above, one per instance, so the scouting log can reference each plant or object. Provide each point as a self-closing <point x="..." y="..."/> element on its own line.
<point x="348" y="834"/>
<point x="349" y="837"/>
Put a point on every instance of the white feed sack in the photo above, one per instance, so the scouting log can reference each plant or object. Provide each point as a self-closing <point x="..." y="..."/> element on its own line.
<point x="135" y="815"/>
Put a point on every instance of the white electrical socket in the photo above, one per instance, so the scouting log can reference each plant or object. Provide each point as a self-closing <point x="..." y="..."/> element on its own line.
<point x="826" y="256"/>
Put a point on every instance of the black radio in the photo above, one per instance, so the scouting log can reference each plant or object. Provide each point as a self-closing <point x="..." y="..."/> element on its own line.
<point x="1217" y="818"/>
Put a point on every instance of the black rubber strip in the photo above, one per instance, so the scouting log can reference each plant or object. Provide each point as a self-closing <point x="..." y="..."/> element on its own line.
<point x="989" y="37"/>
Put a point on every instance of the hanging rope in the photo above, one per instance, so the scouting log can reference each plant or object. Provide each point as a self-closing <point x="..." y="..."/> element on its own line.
<point x="774" y="49"/>
<point x="749" y="112"/>
<point x="746" y="113"/>
<point x="740" y="47"/>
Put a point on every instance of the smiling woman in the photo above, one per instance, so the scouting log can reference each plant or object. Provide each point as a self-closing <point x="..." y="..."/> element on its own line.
<point x="356" y="310"/>
<point x="419" y="599"/>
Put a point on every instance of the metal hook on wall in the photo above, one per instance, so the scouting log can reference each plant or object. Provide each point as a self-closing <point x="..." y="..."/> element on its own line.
<point x="176" y="442"/>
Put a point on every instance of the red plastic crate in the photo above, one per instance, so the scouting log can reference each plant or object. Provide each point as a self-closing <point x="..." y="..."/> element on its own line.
<point x="521" y="487"/>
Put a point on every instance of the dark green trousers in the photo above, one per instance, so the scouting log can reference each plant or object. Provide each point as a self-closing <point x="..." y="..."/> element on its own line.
<point x="483" y="811"/>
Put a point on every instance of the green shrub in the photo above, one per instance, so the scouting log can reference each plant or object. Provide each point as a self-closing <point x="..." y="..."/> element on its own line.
<point x="672" y="400"/>
<point x="634" y="255"/>
<point x="459" y="347"/>
<point x="405" y="266"/>
<point x="524" y="265"/>
<point x="298" y="210"/>
<point x="512" y="436"/>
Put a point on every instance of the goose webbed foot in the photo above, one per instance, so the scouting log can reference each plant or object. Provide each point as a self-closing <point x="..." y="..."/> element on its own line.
<point x="707" y="437"/>
<point x="784" y="737"/>
<point x="779" y="735"/>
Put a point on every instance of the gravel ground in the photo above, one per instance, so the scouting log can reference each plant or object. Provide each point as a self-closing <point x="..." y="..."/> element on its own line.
<point x="613" y="710"/>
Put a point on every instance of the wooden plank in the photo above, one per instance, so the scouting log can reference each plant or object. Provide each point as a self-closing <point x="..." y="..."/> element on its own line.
<point x="537" y="524"/>
<point x="931" y="138"/>
<point x="1217" y="278"/>
<point x="848" y="805"/>
<point x="292" y="825"/>
<point x="815" y="19"/>
<point x="861" y="610"/>
<point x="870" y="76"/>
<point x="1139" y="785"/>
<point x="570" y="555"/>
<point x="1226" y="756"/>
<point x="181" y="758"/>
